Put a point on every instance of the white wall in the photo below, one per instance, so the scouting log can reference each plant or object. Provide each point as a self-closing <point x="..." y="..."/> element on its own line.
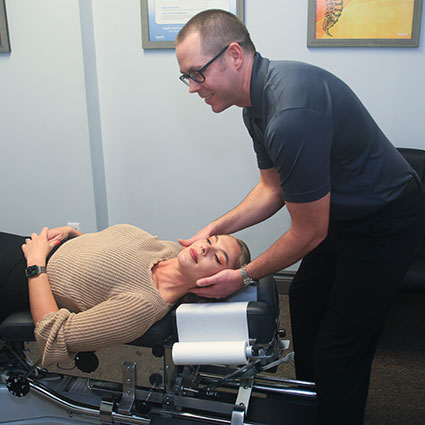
<point x="45" y="172"/>
<point x="171" y="165"/>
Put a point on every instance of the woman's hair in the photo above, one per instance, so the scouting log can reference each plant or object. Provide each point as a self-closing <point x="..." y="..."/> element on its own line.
<point x="245" y="255"/>
<point x="217" y="28"/>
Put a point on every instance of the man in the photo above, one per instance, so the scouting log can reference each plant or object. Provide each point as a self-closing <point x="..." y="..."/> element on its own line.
<point x="356" y="206"/>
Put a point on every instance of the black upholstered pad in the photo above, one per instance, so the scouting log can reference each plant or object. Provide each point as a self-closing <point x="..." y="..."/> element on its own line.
<point x="17" y="327"/>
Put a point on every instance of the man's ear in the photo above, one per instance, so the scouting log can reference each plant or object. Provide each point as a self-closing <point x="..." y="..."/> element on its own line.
<point x="236" y="54"/>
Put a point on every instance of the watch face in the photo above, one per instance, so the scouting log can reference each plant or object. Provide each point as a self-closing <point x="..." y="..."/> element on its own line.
<point x="31" y="271"/>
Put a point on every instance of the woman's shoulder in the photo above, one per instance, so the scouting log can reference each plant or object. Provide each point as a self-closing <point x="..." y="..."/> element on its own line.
<point x="122" y="226"/>
<point x="128" y="229"/>
<point x="148" y="240"/>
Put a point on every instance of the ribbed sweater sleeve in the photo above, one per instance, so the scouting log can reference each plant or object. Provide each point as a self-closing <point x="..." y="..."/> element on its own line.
<point x="103" y="285"/>
<point x="118" y="320"/>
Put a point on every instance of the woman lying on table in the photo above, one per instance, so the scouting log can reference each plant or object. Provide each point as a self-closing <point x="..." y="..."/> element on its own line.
<point x="104" y="288"/>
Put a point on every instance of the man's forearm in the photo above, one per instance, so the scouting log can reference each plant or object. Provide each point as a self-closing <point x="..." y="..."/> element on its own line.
<point x="308" y="229"/>
<point x="283" y="253"/>
<point x="261" y="203"/>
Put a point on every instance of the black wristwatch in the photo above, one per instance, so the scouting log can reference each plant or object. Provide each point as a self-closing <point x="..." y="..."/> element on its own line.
<point x="32" y="271"/>
<point x="247" y="281"/>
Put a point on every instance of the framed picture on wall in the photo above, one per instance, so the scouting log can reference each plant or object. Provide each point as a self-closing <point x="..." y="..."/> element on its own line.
<point x="4" y="33"/>
<point x="163" y="19"/>
<point x="364" y="23"/>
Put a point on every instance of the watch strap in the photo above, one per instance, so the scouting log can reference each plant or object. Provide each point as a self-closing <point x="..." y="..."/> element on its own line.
<point x="33" y="271"/>
<point x="247" y="281"/>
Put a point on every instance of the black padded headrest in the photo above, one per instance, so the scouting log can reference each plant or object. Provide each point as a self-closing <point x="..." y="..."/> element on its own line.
<point x="267" y="293"/>
<point x="262" y="322"/>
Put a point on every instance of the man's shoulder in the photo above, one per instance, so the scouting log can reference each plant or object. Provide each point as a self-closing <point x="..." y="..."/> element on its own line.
<point x="293" y="74"/>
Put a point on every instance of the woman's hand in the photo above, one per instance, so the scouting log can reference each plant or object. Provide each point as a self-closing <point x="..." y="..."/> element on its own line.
<point x="61" y="233"/>
<point x="58" y="233"/>
<point x="38" y="247"/>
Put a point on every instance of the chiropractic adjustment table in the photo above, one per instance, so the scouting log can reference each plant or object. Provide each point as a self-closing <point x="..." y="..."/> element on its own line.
<point x="215" y="360"/>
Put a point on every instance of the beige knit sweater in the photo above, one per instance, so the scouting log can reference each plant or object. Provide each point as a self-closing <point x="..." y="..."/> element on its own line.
<point x="103" y="285"/>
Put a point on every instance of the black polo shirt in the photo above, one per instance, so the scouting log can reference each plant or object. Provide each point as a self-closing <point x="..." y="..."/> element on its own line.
<point x="313" y="129"/>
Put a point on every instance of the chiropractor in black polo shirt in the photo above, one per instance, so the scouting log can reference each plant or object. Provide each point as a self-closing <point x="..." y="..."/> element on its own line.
<point x="356" y="205"/>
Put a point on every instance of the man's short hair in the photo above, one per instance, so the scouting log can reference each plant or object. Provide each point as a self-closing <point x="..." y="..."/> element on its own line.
<point x="217" y="28"/>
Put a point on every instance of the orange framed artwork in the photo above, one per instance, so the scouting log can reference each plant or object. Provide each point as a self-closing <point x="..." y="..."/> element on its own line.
<point x="364" y="23"/>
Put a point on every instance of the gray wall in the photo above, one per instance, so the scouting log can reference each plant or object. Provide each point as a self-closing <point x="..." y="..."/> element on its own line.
<point x="96" y="130"/>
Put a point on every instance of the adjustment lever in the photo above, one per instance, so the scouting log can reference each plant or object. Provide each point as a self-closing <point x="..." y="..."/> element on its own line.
<point x="143" y="406"/>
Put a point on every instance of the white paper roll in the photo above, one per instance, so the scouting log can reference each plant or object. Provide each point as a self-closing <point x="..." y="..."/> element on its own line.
<point x="202" y="353"/>
<point x="212" y="322"/>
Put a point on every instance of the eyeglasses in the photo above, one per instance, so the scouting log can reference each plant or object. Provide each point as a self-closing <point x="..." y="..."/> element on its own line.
<point x="197" y="75"/>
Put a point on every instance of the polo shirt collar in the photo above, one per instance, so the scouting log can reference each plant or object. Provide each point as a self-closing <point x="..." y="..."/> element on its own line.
<point x="258" y="77"/>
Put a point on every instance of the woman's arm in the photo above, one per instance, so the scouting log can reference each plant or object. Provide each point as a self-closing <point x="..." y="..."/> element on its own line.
<point x="35" y="251"/>
<point x="117" y="320"/>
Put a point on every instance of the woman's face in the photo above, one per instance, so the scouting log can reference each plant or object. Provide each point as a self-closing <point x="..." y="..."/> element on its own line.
<point x="209" y="256"/>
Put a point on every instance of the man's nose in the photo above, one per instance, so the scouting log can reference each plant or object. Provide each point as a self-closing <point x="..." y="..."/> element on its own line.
<point x="193" y="86"/>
